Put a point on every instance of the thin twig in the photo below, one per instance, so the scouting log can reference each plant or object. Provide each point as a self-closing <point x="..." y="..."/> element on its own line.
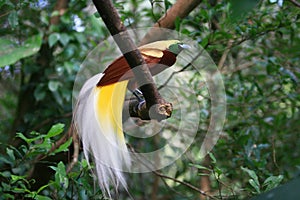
<point x="224" y="56"/>
<point x="183" y="183"/>
<point x="57" y="144"/>
<point x="238" y="68"/>
<point x="5" y="14"/>
<point x="181" y="70"/>
<point x="172" y="189"/>
<point x="218" y="181"/>
<point x="170" y="178"/>
<point x="274" y="152"/>
<point x="76" y="145"/>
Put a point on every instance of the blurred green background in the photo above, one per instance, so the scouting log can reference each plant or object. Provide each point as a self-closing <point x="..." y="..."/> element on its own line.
<point x="255" y="45"/>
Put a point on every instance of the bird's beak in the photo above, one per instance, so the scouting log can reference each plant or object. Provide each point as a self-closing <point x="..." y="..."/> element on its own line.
<point x="184" y="46"/>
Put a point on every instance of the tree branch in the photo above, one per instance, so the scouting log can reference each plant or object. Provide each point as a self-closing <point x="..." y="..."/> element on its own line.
<point x="225" y="54"/>
<point x="110" y="16"/>
<point x="296" y="3"/>
<point x="76" y="146"/>
<point x="163" y="176"/>
<point x="184" y="183"/>
<point x="180" y="9"/>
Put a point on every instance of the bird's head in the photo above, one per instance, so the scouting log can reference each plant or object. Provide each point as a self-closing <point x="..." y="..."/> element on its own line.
<point x="178" y="47"/>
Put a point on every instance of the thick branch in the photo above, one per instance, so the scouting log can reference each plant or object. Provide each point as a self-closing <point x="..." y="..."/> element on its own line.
<point x="180" y="9"/>
<point x="142" y="74"/>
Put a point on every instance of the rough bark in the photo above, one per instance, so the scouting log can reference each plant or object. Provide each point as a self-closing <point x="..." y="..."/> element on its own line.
<point x="205" y="181"/>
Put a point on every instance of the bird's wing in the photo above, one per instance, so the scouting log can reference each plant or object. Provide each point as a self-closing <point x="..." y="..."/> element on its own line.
<point x="119" y="70"/>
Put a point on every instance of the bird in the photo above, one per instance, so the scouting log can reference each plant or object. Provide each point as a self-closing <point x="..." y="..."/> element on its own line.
<point x="98" y="112"/>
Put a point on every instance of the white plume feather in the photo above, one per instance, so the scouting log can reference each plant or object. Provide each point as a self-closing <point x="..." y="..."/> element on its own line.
<point x="98" y="118"/>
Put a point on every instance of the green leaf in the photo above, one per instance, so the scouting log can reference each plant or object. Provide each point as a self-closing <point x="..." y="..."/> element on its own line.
<point x="254" y="179"/>
<point x="240" y="8"/>
<point x="58" y="98"/>
<point x="204" y="41"/>
<point x="20" y="190"/>
<point x="200" y="167"/>
<point x="60" y="169"/>
<point x="218" y="171"/>
<point x="63" y="147"/>
<point x="39" y="93"/>
<point x="69" y="67"/>
<point x="7" y="3"/>
<point x="43" y="187"/>
<point x="53" y="85"/>
<point x="5" y="174"/>
<point x="84" y="163"/>
<point x="255" y="185"/>
<point x="28" y="140"/>
<point x="61" y="175"/>
<point x="41" y="197"/>
<point x="52" y="39"/>
<point x="13" y="19"/>
<point x="80" y="38"/>
<point x="177" y="23"/>
<point x="55" y="13"/>
<point x="64" y="38"/>
<point x="272" y="182"/>
<point x="11" y="51"/>
<point x="8" y="196"/>
<point x="43" y="147"/>
<point x="212" y="157"/>
<point x="5" y="160"/>
<point x="55" y="130"/>
<point x="10" y="153"/>
<point x="15" y="178"/>
<point x="251" y="173"/>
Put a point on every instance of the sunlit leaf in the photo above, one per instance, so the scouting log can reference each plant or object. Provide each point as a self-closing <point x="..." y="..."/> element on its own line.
<point x="55" y="130"/>
<point x="254" y="179"/>
<point x="11" y="51"/>
<point x="63" y="147"/>
<point x="272" y="182"/>
<point x="254" y="184"/>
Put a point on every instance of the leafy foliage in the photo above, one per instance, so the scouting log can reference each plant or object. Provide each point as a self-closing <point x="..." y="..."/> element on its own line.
<point x="256" y="49"/>
<point x="18" y="161"/>
<point x="11" y="54"/>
